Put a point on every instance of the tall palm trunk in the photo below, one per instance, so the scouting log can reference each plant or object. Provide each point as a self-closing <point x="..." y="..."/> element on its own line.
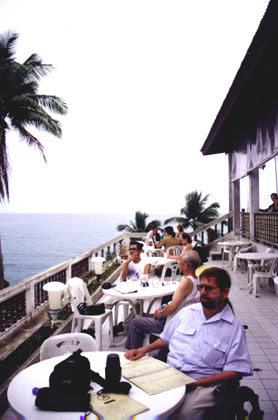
<point x="2" y="282"/>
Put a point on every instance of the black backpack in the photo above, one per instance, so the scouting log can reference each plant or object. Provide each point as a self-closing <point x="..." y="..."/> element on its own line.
<point x="69" y="384"/>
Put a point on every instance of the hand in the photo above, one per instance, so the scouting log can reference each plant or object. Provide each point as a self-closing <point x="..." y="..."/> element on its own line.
<point x="135" y="354"/>
<point x="157" y="314"/>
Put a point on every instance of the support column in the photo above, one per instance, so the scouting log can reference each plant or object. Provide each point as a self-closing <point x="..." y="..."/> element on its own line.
<point x="234" y="200"/>
<point x="254" y="199"/>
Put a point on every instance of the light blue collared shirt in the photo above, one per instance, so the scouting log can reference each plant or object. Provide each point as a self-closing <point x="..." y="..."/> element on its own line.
<point x="202" y="347"/>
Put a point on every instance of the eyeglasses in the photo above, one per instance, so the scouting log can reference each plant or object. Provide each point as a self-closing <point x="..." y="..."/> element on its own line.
<point x="133" y="249"/>
<point x="206" y="287"/>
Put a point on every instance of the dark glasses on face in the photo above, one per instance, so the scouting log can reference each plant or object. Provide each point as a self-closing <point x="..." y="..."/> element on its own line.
<point x="206" y="287"/>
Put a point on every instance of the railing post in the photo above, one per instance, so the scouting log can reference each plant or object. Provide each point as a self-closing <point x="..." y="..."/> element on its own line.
<point x="30" y="298"/>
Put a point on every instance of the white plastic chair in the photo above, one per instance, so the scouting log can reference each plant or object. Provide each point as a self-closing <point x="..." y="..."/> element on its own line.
<point x="242" y="250"/>
<point x="154" y="253"/>
<point x="173" y="266"/>
<point x="175" y="250"/>
<point x="75" y="287"/>
<point x="271" y="273"/>
<point x="66" y="343"/>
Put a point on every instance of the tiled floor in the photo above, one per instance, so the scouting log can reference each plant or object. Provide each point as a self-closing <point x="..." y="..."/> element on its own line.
<point x="261" y="316"/>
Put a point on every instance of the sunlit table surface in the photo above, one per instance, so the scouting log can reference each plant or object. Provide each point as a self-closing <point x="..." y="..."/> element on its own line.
<point x="133" y="290"/>
<point x="22" y="401"/>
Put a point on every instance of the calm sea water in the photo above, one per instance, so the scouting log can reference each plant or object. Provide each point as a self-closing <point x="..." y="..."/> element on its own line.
<point x="34" y="242"/>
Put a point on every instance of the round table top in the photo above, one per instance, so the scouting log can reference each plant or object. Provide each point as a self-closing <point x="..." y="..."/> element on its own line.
<point x="22" y="401"/>
<point x="257" y="255"/>
<point x="233" y="243"/>
<point x="156" y="288"/>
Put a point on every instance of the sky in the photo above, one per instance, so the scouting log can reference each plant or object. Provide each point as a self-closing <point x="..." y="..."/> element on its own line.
<point x="143" y="81"/>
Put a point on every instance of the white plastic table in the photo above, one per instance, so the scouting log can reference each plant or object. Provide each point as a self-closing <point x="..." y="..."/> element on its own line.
<point x="231" y="245"/>
<point x="156" y="289"/>
<point x="258" y="257"/>
<point x="22" y="401"/>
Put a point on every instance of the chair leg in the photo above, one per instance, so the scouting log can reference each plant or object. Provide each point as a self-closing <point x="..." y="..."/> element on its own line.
<point x="98" y="332"/>
<point x="111" y="327"/>
<point x="256" y="286"/>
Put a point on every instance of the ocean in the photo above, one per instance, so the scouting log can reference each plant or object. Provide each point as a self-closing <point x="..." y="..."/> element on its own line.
<point x="32" y="243"/>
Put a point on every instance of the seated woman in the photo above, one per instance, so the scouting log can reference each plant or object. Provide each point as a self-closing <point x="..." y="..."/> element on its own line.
<point x="169" y="240"/>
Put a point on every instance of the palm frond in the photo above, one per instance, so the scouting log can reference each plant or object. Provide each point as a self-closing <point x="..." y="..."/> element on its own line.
<point x="31" y="140"/>
<point x="7" y="45"/>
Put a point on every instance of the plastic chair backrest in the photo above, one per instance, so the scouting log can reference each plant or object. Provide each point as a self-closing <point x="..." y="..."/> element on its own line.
<point x="175" y="250"/>
<point x="78" y="291"/>
<point x="173" y="266"/>
<point x="66" y="343"/>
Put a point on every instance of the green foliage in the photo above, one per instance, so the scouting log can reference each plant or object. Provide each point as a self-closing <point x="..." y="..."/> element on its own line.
<point x="140" y="224"/>
<point x="21" y="354"/>
<point x="195" y="213"/>
<point x="21" y="105"/>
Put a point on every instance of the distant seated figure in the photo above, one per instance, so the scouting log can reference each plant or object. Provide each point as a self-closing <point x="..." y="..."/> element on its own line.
<point x="152" y="236"/>
<point x="186" y="291"/>
<point x="273" y="208"/>
<point x="186" y="241"/>
<point x="169" y="240"/>
<point x="179" y="232"/>
<point x="135" y="265"/>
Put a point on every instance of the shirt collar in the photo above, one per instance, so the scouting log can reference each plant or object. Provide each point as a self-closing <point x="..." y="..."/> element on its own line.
<point x="226" y="314"/>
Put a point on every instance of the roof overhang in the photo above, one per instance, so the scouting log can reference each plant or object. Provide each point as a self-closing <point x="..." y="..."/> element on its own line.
<point x="253" y="92"/>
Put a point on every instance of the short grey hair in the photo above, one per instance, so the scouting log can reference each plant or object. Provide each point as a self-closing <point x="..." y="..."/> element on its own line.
<point x="192" y="258"/>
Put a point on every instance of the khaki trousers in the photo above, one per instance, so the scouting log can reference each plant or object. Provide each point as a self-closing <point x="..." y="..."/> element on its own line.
<point x="196" y="403"/>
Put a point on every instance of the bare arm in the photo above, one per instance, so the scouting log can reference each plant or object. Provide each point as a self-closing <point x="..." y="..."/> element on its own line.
<point x="138" y="353"/>
<point x="147" y="269"/>
<point x="226" y="376"/>
<point x="184" y="289"/>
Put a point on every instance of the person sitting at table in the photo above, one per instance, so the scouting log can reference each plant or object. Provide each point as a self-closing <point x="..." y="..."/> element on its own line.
<point x="169" y="240"/>
<point x="135" y="265"/>
<point x="186" y="242"/>
<point x="273" y="208"/>
<point x="207" y="342"/>
<point x="179" y="232"/>
<point x="186" y="291"/>
<point x="153" y="235"/>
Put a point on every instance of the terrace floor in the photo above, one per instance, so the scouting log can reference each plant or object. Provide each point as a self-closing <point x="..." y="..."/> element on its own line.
<point x="261" y="316"/>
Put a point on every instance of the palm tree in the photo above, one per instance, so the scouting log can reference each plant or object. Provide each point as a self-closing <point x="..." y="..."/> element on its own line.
<point x="140" y="224"/>
<point x="21" y="106"/>
<point x="195" y="213"/>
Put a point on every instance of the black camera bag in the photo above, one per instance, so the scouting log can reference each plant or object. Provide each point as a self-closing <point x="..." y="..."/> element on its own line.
<point x="69" y="384"/>
<point x="85" y="309"/>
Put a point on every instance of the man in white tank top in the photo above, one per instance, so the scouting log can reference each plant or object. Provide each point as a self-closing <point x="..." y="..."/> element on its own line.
<point x="186" y="291"/>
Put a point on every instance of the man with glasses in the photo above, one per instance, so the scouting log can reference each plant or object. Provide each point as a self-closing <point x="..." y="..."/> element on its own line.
<point x="135" y="265"/>
<point x="207" y="342"/>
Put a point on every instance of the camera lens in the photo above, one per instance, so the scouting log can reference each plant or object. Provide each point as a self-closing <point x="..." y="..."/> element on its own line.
<point x="113" y="369"/>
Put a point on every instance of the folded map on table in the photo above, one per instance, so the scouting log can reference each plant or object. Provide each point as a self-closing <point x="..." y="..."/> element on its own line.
<point x="116" y="406"/>
<point x="154" y="376"/>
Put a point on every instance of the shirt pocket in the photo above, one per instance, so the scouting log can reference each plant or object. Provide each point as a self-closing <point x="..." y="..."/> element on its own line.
<point x="214" y="352"/>
<point x="186" y="331"/>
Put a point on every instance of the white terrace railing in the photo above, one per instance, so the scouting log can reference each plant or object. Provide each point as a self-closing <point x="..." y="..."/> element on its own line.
<point x="21" y="302"/>
<point x="214" y="230"/>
